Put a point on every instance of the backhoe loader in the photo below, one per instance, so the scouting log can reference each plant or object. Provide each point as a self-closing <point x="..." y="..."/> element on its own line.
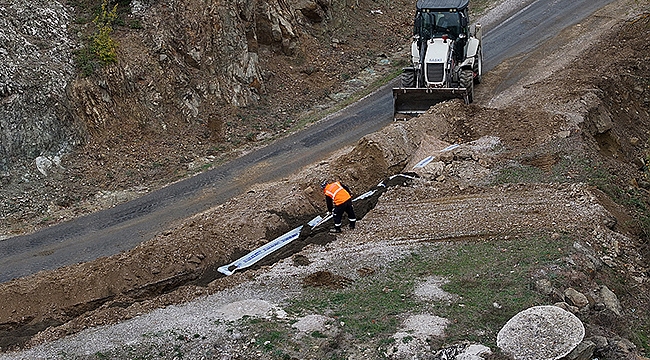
<point x="446" y="58"/>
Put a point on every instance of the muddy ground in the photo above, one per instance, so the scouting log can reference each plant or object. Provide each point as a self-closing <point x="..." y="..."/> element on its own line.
<point x="556" y="143"/>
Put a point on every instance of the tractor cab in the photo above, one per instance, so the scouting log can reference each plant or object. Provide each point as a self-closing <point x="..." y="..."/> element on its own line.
<point x="442" y="19"/>
<point x="433" y="23"/>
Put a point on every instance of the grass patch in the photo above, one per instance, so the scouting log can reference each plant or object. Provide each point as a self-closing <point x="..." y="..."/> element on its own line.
<point x="493" y="279"/>
<point x="368" y="309"/>
<point x="479" y="7"/>
<point x="518" y="174"/>
<point x="270" y="337"/>
<point x="318" y="334"/>
<point x="596" y="174"/>
<point x="642" y="338"/>
<point x="581" y="170"/>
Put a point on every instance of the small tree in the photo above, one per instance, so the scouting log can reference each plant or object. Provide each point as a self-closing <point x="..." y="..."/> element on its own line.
<point x="103" y="46"/>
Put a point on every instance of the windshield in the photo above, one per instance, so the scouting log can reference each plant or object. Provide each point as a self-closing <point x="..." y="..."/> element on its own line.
<point x="431" y="23"/>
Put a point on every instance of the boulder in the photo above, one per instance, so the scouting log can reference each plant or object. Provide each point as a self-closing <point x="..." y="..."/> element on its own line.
<point x="576" y="298"/>
<point x="610" y="300"/>
<point x="541" y="333"/>
<point x="584" y="351"/>
<point x="598" y="117"/>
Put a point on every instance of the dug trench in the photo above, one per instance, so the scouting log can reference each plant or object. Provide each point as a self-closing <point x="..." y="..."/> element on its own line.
<point x="16" y="334"/>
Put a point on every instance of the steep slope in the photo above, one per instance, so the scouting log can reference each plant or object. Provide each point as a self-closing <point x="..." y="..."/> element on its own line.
<point x="195" y="83"/>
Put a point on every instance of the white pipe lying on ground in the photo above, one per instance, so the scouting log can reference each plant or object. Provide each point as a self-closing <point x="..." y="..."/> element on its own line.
<point x="264" y="250"/>
<point x="424" y="162"/>
<point x="261" y="252"/>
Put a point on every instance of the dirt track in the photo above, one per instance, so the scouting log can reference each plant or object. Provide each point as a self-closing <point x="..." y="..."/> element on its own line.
<point x="552" y="131"/>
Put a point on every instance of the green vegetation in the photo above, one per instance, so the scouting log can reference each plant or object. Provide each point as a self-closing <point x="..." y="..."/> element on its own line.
<point x="573" y="168"/>
<point x="642" y="338"/>
<point x="493" y="280"/>
<point x="616" y="188"/>
<point x="101" y="48"/>
<point x="103" y="45"/>
<point x="580" y="169"/>
<point x="270" y="337"/>
<point x="369" y="308"/>
<point x="518" y="174"/>
<point x="478" y="7"/>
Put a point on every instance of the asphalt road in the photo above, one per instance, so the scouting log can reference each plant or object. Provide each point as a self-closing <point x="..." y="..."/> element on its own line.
<point x="124" y="226"/>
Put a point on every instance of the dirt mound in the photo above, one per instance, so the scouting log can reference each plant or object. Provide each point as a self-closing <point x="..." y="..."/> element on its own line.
<point x="326" y="279"/>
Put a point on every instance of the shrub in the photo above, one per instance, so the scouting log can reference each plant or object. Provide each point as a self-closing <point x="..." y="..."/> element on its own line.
<point x="103" y="46"/>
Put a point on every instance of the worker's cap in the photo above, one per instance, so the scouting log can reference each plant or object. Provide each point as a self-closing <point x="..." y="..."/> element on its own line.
<point x="323" y="184"/>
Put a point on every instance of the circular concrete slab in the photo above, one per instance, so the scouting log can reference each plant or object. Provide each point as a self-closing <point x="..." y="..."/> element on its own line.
<point x="541" y="333"/>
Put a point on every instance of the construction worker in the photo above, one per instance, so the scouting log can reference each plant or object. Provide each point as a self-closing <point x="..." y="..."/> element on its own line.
<point x="339" y="201"/>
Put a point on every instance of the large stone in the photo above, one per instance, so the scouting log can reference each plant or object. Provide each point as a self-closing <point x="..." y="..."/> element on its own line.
<point x="584" y="351"/>
<point x="541" y="333"/>
<point x="576" y="298"/>
<point x="599" y="116"/>
<point x="610" y="300"/>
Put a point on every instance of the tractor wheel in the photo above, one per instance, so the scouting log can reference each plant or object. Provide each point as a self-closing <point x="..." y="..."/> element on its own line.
<point x="408" y="78"/>
<point x="466" y="81"/>
<point x="478" y="67"/>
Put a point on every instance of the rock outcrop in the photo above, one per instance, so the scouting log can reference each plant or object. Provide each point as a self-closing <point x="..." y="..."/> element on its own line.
<point x="180" y="64"/>
<point x="36" y="66"/>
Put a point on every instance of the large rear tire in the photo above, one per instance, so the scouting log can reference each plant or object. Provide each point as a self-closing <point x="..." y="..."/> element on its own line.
<point x="467" y="81"/>
<point x="478" y="67"/>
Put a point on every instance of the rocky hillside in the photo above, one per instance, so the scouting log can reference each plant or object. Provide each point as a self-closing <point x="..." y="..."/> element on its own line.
<point x="192" y="81"/>
<point x="36" y="68"/>
<point x="179" y="64"/>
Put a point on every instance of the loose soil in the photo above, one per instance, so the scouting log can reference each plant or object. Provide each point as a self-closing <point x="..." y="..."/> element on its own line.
<point x="558" y="148"/>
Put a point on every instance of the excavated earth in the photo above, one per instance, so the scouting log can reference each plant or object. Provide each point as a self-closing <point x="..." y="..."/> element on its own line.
<point x="574" y="108"/>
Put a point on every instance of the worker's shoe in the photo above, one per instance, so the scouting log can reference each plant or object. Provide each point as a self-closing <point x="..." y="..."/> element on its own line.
<point x="335" y="230"/>
<point x="352" y="225"/>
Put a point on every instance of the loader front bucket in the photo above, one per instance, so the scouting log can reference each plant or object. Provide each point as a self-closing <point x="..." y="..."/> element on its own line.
<point x="414" y="101"/>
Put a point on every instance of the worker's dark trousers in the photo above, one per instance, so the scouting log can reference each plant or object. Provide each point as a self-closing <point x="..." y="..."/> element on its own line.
<point x="338" y="214"/>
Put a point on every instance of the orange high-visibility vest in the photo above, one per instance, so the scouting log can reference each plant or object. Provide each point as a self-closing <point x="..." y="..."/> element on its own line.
<point x="337" y="193"/>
